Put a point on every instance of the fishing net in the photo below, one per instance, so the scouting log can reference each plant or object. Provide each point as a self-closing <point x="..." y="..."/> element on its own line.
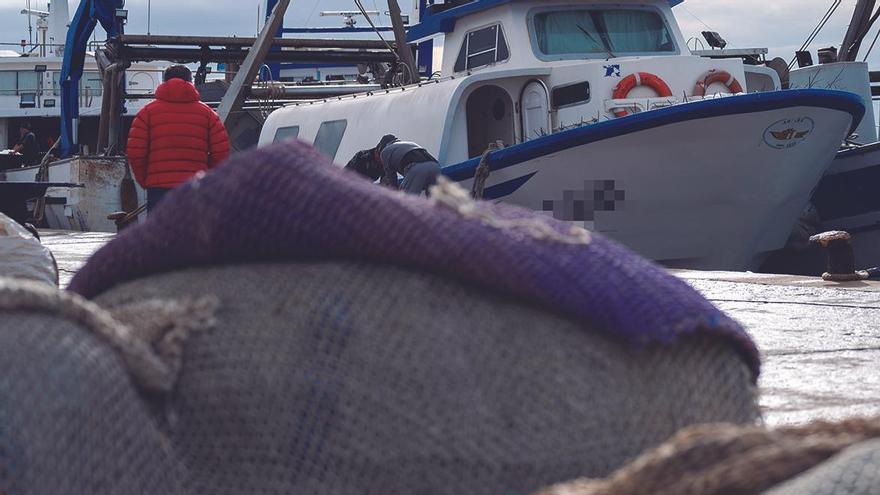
<point x="70" y="419"/>
<point x="283" y="326"/>
<point x="343" y="378"/>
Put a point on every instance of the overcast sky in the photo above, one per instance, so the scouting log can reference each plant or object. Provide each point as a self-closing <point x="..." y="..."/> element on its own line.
<point x="781" y="25"/>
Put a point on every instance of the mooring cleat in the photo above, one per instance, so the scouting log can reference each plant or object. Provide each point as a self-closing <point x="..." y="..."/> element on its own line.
<point x="841" y="260"/>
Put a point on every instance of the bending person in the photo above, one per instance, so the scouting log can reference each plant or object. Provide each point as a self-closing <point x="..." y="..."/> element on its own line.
<point x="418" y="168"/>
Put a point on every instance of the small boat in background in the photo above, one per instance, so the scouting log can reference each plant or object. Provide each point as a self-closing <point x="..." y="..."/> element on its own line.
<point x="30" y="91"/>
<point x="846" y="197"/>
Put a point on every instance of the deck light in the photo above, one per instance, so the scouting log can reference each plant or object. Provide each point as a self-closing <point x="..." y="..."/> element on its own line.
<point x="714" y="39"/>
<point x="804" y="58"/>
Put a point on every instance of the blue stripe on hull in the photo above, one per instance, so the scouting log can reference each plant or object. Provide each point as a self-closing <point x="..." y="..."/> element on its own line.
<point x="506" y="188"/>
<point x="750" y="103"/>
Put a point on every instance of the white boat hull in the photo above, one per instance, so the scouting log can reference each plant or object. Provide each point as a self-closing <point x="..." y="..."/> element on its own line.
<point x="82" y="209"/>
<point x="699" y="193"/>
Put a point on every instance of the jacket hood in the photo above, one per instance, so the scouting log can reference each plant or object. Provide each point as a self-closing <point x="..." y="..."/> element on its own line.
<point x="177" y="91"/>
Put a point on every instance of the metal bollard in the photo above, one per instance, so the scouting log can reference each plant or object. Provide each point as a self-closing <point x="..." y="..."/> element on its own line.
<point x="841" y="260"/>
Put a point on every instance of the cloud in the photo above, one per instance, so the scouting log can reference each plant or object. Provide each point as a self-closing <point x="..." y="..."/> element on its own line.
<point x="780" y="25"/>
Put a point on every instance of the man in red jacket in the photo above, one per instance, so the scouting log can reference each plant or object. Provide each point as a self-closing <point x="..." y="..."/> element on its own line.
<point x="174" y="137"/>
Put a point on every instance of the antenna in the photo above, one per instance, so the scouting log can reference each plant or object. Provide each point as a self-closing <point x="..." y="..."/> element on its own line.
<point x="149" y="9"/>
<point x="30" y="24"/>
<point x="349" y="15"/>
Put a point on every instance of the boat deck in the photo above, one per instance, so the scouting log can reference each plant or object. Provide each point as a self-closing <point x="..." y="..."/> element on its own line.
<point x="820" y="341"/>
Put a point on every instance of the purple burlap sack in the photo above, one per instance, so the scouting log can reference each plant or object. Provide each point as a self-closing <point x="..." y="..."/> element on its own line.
<point x="288" y="202"/>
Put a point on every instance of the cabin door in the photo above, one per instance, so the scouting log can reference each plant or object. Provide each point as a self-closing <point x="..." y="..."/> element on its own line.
<point x="535" y="106"/>
<point x="490" y="118"/>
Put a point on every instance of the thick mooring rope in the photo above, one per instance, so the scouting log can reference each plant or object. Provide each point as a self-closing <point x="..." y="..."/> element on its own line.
<point x="727" y="459"/>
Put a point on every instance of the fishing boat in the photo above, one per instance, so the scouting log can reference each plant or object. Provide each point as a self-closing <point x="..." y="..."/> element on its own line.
<point x="846" y="197"/>
<point x="607" y="121"/>
<point x="30" y="91"/>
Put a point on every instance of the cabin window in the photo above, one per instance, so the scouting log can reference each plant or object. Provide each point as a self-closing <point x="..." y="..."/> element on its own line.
<point x="329" y="137"/>
<point x="286" y="133"/>
<point x="603" y="32"/>
<point x="18" y="82"/>
<point x="89" y="85"/>
<point x="482" y="47"/>
<point x="8" y="83"/>
<point x="571" y="94"/>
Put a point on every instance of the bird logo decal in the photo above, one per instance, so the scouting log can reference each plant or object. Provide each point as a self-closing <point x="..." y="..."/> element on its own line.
<point x="788" y="133"/>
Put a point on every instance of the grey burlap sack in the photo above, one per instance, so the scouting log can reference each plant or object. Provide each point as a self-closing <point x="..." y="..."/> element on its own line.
<point x="70" y="419"/>
<point x="855" y="471"/>
<point x="350" y="378"/>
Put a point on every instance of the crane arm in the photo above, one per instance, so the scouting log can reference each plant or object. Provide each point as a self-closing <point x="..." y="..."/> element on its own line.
<point x="88" y="15"/>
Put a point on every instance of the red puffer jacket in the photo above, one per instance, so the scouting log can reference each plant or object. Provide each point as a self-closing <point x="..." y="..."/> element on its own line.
<point x="175" y="137"/>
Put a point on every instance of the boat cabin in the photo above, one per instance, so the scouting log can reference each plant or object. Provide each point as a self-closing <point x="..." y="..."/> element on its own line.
<point x="514" y="70"/>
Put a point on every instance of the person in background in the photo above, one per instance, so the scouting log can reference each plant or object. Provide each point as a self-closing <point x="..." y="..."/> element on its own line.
<point x="27" y="146"/>
<point x="368" y="164"/>
<point x="418" y="168"/>
<point x="174" y="137"/>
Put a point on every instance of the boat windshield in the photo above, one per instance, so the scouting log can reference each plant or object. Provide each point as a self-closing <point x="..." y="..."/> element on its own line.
<point x="600" y="31"/>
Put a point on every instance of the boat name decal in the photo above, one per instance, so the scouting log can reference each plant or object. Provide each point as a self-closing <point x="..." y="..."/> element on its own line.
<point x="612" y="70"/>
<point x="581" y="205"/>
<point x="788" y="133"/>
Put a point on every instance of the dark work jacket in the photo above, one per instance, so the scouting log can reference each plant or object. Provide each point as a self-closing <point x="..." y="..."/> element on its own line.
<point x="362" y="162"/>
<point x="398" y="156"/>
<point x="29" y="149"/>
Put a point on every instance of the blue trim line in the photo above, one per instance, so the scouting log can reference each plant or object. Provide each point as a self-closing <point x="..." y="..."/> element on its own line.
<point x="750" y="103"/>
<point x="444" y="22"/>
<point x="506" y="188"/>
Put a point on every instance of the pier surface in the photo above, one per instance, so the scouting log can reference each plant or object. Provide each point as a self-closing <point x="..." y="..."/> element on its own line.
<point x="820" y="341"/>
<point x="72" y="249"/>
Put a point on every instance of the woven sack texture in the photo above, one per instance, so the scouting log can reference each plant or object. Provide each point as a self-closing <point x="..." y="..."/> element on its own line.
<point x="855" y="471"/>
<point x="351" y="378"/>
<point x="288" y="202"/>
<point x="71" y="420"/>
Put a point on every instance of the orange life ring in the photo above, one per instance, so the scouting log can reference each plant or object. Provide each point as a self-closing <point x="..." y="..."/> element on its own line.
<point x="639" y="79"/>
<point x="717" y="76"/>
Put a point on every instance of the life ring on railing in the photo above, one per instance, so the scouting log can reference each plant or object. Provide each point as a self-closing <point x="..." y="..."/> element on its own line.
<point x="717" y="76"/>
<point x="639" y="79"/>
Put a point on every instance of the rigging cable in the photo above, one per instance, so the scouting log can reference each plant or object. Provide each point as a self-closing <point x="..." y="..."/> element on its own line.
<point x="695" y="17"/>
<point x="367" y="16"/>
<point x="872" y="46"/>
<point x="824" y="20"/>
<point x="314" y="8"/>
<point x="865" y="33"/>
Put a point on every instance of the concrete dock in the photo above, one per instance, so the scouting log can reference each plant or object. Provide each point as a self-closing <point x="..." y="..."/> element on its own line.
<point x="820" y="341"/>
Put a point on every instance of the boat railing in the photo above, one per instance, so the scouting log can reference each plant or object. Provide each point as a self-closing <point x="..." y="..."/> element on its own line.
<point x="637" y="105"/>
